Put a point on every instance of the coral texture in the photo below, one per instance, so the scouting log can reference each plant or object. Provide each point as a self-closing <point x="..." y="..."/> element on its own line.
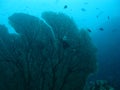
<point x="48" y="54"/>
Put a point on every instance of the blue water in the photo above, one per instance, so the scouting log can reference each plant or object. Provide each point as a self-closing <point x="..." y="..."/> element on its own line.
<point x="102" y="17"/>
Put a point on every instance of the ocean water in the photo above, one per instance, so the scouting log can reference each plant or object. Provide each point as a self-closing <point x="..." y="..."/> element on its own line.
<point x="100" y="18"/>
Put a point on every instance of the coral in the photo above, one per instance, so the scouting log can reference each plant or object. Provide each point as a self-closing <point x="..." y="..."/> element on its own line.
<point x="101" y="85"/>
<point x="48" y="54"/>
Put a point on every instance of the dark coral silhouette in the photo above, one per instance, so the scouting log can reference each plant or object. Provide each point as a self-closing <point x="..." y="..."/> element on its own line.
<point x="48" y="54"/>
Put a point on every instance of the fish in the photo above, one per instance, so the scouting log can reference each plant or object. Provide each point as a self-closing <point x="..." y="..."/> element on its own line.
<point x="97" y="8"/>
<point x="83" y="9"/>
<point x="85" y="3"/>
<point x="89" y="30"/>
<point x="114" y="30"/>
<point x="99" y="14"/>
<point x="65" y="6"/>
<point x="108" y="17"/>
<point x="101" y="29"/>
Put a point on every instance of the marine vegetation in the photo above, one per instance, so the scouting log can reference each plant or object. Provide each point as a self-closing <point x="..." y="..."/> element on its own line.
<point x="45" y="54"/>
<point x="101" y="85"/>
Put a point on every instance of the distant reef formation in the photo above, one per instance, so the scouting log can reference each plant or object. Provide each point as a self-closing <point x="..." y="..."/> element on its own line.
<point x="45" y="54"/>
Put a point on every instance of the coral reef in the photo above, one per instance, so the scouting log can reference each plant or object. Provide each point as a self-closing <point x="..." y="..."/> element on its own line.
<point x="100" y="85"/>
<point x="48" y="54"/>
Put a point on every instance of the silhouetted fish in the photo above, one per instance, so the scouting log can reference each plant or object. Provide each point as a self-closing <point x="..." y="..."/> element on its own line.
<point x="108" y="17"/>
<point x="101" y="29"/>
<point x="99" y="14"/>
<point x="65" y="6"/>
<point x="83" y="9"/>
<point x="85" y="3"/>
<point x="97" y="8"/>
<point x="114" y="30"/>
<point x="89" y="30"/>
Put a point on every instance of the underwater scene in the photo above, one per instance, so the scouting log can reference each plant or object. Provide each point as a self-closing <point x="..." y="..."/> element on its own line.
<point x="59" y="44"/>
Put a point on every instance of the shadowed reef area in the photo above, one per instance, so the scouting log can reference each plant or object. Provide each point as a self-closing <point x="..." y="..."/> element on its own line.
<point x="47" y="54"/>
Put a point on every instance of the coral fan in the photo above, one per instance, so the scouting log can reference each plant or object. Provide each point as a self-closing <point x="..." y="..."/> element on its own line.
<point x="45" y="55"/>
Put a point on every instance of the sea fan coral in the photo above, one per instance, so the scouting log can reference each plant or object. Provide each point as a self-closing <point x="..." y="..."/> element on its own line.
<point x="45" y="55"/>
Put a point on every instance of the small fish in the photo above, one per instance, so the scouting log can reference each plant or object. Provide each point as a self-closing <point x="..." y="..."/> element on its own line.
<point x="101" y="29"/>
<point x="89" y="30"/>
<point x="97" y="8"/>
<point x="83" y="9"/>
<point x="97" y="16"/>
<point x="85" y="3"/>
<point x="114" y="30"/>
<point x="65" y="6"/>
<point x="108" y="17"/>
